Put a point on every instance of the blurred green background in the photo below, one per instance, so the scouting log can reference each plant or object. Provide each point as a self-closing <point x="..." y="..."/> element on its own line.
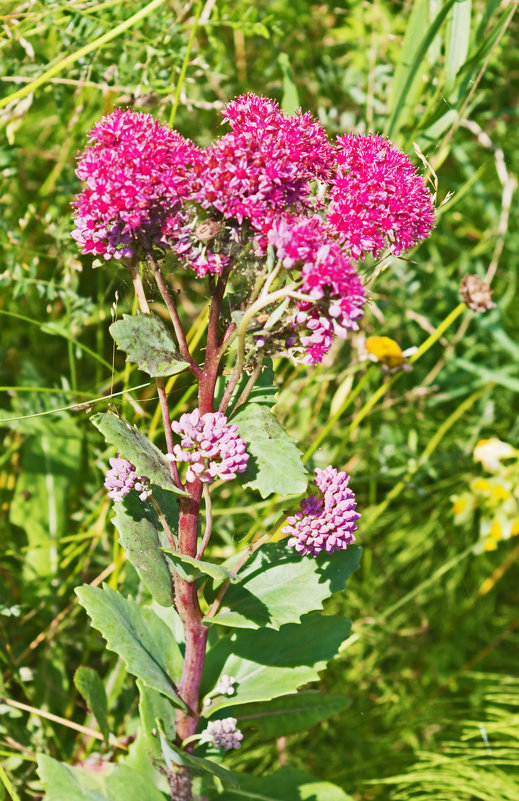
<point x="431" y="666"/>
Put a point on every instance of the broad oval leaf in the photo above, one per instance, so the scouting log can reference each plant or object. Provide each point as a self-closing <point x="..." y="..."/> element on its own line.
<point x="93" y="691"/>
<point x="287" y="783"/>
<point x="139" y="636"/>
<point x="138" y="449"/>
<point x="267" y="664"/>
<point x="291" y="713"/>
<point x="275" y="464"/>
<point x="137" y="525"/>
<point x="277" y="585"/>
<point x="149" y="344"/>
<point x="65" y="783"/>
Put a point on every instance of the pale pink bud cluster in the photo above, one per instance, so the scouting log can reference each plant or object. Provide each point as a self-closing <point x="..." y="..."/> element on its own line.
<point x="223" y="734"/>
<point x="325" y="522"/>
<point x="137" y="176"/>
<point x="122" y="478"/>
<point x="377" y="199"/>
<point x="329" y="277"/>
<point x="210" y="446"/>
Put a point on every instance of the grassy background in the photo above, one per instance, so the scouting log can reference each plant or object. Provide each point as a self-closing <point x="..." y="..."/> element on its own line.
<point x="433" y="653"/>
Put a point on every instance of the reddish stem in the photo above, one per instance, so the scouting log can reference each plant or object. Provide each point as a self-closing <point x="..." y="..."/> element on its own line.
<point x="186" y="594"/>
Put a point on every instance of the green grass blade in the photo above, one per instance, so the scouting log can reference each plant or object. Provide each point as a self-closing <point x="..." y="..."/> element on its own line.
<point x="412" y="71"/>
<point x="83" y="51"/>
<point x="459" y="38"/>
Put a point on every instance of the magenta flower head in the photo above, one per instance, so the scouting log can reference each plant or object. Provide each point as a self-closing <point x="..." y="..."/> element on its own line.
<point x="378" y="200"/>
<point x="137" y="174"/>
<point x="222" y="734"/>
<point x="122" y="478"/>
<point x="324" y="522"/>
<point x="329" y="277"/>
<point x="210" y="446"/>
<point x="264" y="165"/>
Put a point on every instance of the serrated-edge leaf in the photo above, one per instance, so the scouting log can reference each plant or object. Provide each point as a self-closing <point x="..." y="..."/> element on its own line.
<point x="123" y="626"/>
<point x="197" y="566"/>
<point x="267" y="664"/>
<point x="138" y="449"/>
<point x="148" y="343"/>
<point x="277" y="586"/>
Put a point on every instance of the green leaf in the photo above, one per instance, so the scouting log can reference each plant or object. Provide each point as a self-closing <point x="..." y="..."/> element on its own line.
<point x="277" y="586"/>
<point x="181" y="758"/>
<point x="275" y="464"/>
<point x="138" y="635"/>
<point x="287" y="784"/>
<point x="268" y="663"/>
<point x="292" y="713"/>
<point x="290" y="101"/>
<point x="152" y="707"/>
<point x="495" y="376"/>
<point x="192" y="568"/>
<point x="264" y="391"/>
<point x="408" y="73"/>
<point x="50" y="466"/>
<point x="93" y="691"/>
<point x="459" y="39"/>
<point x="138" y="525"/>
<point x="149" y="344"/>
<point x="138" y="449"/>
<point x="65" y="783"/>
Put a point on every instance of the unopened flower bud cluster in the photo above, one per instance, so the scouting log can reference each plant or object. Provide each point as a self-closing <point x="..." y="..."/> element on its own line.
<point x="122" y="478"/>
<point x="210" y="446"/>
<point x="325" y="522"/>
<point x="223" y="734"/>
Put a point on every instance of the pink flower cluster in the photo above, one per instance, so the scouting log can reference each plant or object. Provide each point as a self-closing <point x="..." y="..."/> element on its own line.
<point x="210" y="446"/>
<point x="377" y="199"/>
<point x="148" y="186"/>
<point x="264" y="165"/>
<point x="223" y="734"/>
<point x="122" y="478"/>
<point x="137" y="176"/>
<point x="325" y="522"/>
<point x="329" y="277"/>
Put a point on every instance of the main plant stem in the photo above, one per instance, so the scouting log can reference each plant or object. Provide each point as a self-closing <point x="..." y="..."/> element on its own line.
<point x="186" y="595"/>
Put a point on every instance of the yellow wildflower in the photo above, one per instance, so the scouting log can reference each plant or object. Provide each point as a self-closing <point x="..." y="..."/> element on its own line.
<point x="490" y="452"/>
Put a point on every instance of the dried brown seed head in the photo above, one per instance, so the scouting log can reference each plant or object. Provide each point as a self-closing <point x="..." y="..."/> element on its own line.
<point x="207" y="230"/>
<point x="476" y="294"/>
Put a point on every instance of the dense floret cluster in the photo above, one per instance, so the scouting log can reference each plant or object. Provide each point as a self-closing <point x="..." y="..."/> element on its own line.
<point x="148" y="187"/>
<point x="329" y="278"/>
<point x="122" y="478"/>
<point x="377" y="198"/>
<point x="223" y="734"/>
<point x="210" y="446"/>
<point x="324" y="522"/>
<point x="137" y="176"/>
<point x="265" y="164"/>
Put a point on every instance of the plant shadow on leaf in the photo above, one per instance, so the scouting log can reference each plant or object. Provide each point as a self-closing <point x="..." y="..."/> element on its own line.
<point x="304" y="647"/>
<point x="278" y="586"/>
